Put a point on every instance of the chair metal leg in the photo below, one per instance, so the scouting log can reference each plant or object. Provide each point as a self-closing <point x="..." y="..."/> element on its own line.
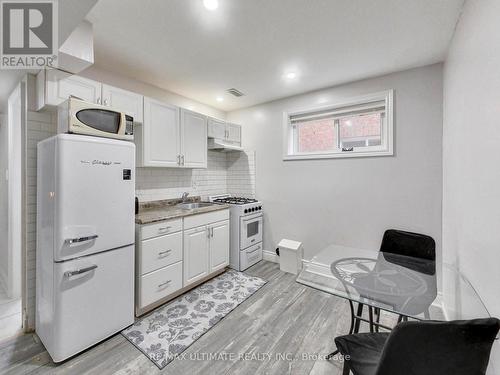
<point x="377" y="315"/>
<point x="358" y="313"/>
<point x="351" y="305"/>
<point x="346" y="370"/>
<point x="370" y="315"/>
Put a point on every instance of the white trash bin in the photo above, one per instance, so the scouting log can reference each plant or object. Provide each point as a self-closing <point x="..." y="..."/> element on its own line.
<point x="291" y="253"/>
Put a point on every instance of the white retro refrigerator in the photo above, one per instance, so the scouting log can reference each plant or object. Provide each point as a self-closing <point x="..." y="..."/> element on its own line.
<point x="85" y="241"/>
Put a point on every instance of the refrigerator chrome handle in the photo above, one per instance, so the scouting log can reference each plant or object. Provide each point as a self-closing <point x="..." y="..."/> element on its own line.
<point x="70" y="241"/>
<point x="80" y="271"/>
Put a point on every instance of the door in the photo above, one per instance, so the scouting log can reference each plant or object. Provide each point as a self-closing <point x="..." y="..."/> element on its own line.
<point x="194" y="139"/>
<point x="195" y="254"/>
<point x="60" y="85"/>
<point x="123" y="101"/>
<point x="219" y="245"/>
<point x="251" y="230"/>
<point x="94" y="194"/>
<point x="233" y="133"/>
<point x="161" y="134"/>
<point x="216" y="129"/>
<point x="93" y="299"/>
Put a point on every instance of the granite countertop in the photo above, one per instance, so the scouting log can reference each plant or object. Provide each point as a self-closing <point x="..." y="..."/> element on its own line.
<point x="155" y="211"/>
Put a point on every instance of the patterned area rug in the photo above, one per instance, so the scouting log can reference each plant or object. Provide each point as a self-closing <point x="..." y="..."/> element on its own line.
<point x="170" y="329"/>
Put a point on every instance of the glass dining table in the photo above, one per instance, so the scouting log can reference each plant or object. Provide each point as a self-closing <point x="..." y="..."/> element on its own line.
<point x="404" y="286"/>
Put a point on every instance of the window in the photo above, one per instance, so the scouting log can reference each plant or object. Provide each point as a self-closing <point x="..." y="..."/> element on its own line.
<point x="359" y="127"/>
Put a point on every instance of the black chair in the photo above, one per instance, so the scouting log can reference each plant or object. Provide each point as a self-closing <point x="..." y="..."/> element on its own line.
<point x="408" y="244"/>
<point x="421" y="348"/>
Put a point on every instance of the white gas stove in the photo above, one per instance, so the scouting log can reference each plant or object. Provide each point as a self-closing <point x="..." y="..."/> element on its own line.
<point x="246" y="230"/>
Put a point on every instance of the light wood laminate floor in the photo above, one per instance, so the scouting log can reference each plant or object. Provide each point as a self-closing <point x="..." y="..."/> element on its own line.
<point x="280" y="329"/>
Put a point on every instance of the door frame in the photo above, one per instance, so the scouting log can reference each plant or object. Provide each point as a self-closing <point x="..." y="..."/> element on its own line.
<point x="16" y="186"/>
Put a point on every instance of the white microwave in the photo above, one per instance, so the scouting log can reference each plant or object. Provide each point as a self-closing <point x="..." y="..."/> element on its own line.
<point x="80" y="117"/>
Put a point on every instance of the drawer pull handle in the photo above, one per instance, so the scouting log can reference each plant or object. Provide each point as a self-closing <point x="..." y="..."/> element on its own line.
<point x="164" y="253"/>
<point x="164" y="284"/>
<point x="162" y="229"/>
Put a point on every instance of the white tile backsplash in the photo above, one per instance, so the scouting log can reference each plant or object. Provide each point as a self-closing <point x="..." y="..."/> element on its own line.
<point x="231" y="172"/>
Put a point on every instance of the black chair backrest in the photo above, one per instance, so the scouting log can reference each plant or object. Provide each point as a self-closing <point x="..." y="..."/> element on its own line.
<point x="409" y="244"/>
<point x="439" y="348"/>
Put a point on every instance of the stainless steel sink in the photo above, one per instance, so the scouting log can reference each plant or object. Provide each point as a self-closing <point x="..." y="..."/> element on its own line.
<point x="191" y="206"/>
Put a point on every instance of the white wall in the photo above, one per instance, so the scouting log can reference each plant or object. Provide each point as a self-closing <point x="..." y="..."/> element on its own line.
<point x="471" y="152"/>
<point x="352" y="201"/>
<point x="106" y="76"/>
<point x="3" y="201"/>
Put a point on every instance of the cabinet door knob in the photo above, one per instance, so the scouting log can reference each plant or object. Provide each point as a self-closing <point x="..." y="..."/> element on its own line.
<point x="98" y="100"/>
<point x="105" y="101"/>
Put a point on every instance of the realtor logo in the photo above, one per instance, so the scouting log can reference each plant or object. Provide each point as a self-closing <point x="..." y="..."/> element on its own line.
<point x="28" y="34"/>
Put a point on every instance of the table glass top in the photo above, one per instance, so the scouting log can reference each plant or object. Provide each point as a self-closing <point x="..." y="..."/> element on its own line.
<point x="395" y="283"/>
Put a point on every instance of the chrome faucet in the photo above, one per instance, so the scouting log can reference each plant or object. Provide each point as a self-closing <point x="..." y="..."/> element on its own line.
<point x="184" y="197"/>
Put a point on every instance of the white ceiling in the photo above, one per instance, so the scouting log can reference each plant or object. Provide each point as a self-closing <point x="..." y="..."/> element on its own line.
<point x="180" y="46"/>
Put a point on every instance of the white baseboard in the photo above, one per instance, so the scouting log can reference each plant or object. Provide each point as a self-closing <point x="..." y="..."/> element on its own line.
<point x="270" y="256"/>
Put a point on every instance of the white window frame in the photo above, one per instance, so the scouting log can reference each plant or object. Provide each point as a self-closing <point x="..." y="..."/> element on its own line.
<point x="385" y="149"/>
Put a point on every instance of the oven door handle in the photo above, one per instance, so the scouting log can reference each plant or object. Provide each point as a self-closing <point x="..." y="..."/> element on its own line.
<point x="255" y="218"/>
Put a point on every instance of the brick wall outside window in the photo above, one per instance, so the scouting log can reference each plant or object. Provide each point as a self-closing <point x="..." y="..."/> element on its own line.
<point x="320" y="135"/>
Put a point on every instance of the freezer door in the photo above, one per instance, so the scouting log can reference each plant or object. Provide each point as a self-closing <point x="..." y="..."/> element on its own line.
<point x="95" y="189"/>
<point x="93" y="299"/>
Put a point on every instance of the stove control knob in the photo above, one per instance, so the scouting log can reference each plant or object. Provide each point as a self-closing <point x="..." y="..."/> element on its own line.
<point x="260" y="207"/>
<point x="253" y="209"/>
<point x="246" y="211"/>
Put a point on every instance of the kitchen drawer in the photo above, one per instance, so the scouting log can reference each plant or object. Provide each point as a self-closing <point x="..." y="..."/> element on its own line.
<point x="159" y="252"/>
<point x="161" y="228"/>
<point x="204" y="219"/>
<point x="160" y="283"/>
<point x="250" y="256"/>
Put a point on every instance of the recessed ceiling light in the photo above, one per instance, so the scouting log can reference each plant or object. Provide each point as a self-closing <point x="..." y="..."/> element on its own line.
<point x="290" y="76"/>
<point x="219" y="99"/>
<point x="211" y="4"/>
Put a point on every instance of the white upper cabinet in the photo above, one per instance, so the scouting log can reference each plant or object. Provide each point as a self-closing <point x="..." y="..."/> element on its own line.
<point x="158" y="139"/>
<point x="233" y="133"/>
<point x="124" y="101"/>
<point x="216" y="129"/>
<point x="171" y="137"/>
<point x="193" y="139"/>
<point x="55" y="86"/>
<point x="219" y="129"/>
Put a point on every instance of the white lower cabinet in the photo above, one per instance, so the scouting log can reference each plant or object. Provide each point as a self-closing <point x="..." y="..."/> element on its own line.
<point x="219" y="243"/>
<point x="160" y="283"/>
<point x="206" y="250"/>
<point x="195" y="254"/>
<point x="174" y="255"/>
